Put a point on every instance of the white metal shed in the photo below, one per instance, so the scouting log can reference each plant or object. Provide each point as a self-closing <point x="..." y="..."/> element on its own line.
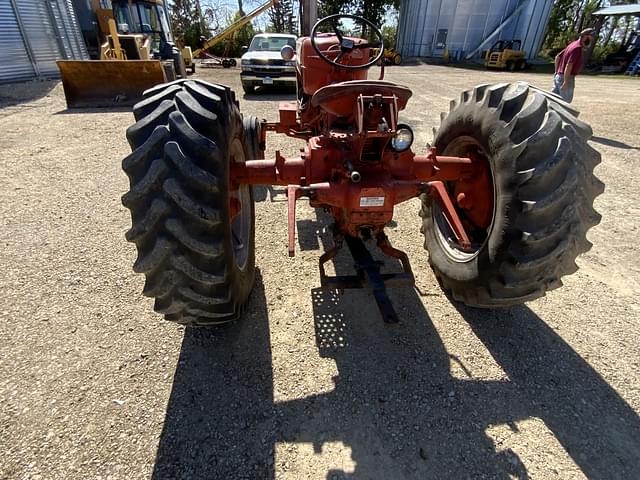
<point x="465" y="27"/>
<point x="33" y="35"/>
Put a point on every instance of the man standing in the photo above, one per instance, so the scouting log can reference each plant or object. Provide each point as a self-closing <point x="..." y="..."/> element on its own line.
<point x="569" y="63"/>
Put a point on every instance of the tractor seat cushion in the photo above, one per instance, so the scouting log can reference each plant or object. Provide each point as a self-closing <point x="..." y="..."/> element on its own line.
<point x="339" y="98"/>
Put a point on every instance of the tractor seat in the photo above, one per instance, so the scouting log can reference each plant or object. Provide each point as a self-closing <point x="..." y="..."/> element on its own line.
<point x="339" y="98"/>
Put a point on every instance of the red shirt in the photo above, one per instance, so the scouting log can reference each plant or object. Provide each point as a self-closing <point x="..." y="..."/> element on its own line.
<point x="572" y="54"/>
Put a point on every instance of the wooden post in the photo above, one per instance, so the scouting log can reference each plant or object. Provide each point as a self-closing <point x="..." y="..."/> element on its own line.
<point x="309" y="15"/>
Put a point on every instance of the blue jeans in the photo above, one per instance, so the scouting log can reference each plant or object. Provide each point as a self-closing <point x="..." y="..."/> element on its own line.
<point x="567" y="93"/>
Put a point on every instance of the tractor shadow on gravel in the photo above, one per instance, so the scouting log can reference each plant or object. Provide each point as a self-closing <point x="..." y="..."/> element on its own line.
<point x="95" y="110"/>
<point x="396" y="404"/>
<point x="271" y="93"/>
<point x="610" y="142"/>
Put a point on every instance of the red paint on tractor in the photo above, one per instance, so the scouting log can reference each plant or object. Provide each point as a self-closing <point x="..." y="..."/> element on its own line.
<point x="348" y="165"/>
<point x="474" y="194"/>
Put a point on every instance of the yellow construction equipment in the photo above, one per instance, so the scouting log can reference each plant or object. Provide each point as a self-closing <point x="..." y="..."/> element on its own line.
<point x="390" y="56"/>
<point x="137" y="52"/>
<point x="506" y="54"/>
<point x="227" y="33"/>
<point x="108" y="83"/>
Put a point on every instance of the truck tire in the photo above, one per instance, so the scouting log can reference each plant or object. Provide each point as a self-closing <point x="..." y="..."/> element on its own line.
<point x="253" y="138"/>
<point x="248" y="88"/>
<point x="536" y="176"/>
<point x="194" y="232"/>
<point x="178" y="62"/>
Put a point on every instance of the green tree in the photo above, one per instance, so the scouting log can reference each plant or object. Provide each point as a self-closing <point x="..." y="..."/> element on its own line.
<point x="561" y="25"/>
<point x="569" y="17"/>
<point x="372" y="10"/>
<point x="188" y="22"/>
<point x="332" y="7"/>
<point x="389" y="35"/>
<point x="282" y="17"/>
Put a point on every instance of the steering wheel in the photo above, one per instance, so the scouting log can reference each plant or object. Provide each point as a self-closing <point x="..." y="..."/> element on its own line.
<point x="347" y="45"/>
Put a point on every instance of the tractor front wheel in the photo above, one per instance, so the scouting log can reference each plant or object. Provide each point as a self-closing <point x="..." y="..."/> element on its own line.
<point x="193" y="229"/>
<point x="528" y="205"/>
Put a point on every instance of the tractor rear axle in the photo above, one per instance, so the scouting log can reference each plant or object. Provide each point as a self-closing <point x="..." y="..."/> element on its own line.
<point x="308" y="168"/>
<point x="360" y="195"/>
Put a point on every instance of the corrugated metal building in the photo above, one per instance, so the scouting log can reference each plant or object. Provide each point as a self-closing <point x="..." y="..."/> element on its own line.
<point x="467" y="27"/>
<point x="33" y="35"/>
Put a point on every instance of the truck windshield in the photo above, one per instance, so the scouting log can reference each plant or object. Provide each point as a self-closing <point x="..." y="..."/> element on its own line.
<point x="270" y="43"/>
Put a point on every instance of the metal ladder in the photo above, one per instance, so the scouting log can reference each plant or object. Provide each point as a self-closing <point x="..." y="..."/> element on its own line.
<point x="634" y="66"/>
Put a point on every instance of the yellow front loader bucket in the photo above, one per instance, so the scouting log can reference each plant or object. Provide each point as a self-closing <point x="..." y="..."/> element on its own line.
<point x="108" y="83"/>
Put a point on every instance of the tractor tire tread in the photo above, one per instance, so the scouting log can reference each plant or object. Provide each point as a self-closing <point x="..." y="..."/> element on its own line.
<point x="178" y="201"/>
<point x="545" y="166"/>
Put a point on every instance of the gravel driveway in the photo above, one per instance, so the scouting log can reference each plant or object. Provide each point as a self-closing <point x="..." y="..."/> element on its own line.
<point x="309" y="385"/>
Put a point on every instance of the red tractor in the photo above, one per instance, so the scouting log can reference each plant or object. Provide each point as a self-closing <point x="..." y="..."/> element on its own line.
<point x="507" y="187"/>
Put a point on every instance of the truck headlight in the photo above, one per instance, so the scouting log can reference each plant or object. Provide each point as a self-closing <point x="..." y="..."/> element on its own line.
<point x="403" y="138"/>
<point x="245" y="62"/>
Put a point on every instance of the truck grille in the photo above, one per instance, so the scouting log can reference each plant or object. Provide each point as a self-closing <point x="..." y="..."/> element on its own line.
<point x="274" y="62"/>
<point x="267" y="70"/>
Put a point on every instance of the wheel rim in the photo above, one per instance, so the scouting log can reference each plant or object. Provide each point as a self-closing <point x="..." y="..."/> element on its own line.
<point x="240" y="202"/>
<point x="476" y="208"/>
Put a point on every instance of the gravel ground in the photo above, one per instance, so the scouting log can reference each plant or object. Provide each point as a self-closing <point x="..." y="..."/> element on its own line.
<point x="312" y="385"/>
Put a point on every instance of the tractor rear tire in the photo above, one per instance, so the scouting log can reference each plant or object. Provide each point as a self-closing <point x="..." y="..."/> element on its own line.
<point x="197" y="256"/>
<point x="543" y="188"/>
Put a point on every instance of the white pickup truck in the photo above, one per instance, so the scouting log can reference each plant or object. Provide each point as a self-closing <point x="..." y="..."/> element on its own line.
<point x="262" y="63"/>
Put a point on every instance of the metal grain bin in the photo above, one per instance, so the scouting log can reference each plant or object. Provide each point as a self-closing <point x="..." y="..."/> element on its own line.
<point x="467" y="27"/>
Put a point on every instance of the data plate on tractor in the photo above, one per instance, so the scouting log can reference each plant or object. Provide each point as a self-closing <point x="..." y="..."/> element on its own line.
<point x="372" y="201"/>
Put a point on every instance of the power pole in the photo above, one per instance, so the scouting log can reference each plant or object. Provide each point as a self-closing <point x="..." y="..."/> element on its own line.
<point x="309" y="16"/>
